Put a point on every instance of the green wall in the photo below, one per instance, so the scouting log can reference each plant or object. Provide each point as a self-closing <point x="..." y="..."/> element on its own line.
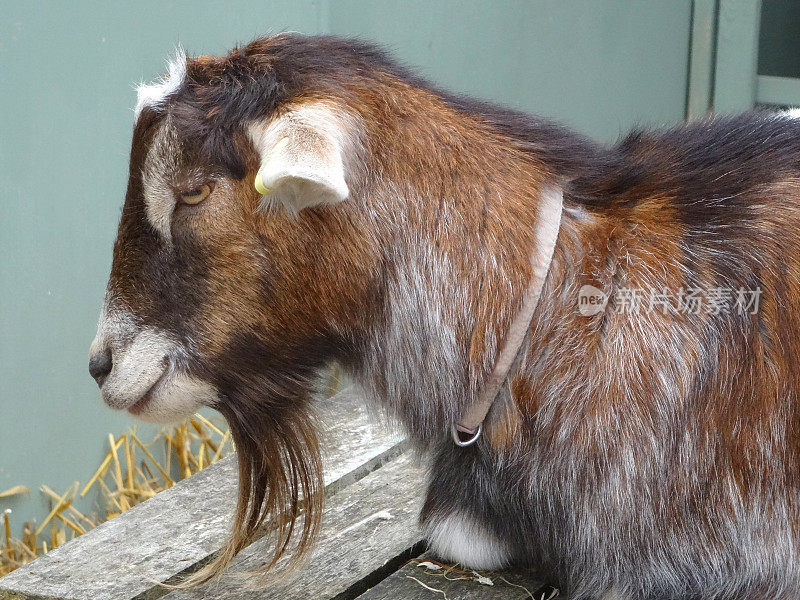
<point x="66" y="76"/>
<point x="602" y="66"/>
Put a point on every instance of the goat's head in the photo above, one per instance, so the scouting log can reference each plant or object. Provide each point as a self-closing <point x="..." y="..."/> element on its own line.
<point x="238" y="268"/>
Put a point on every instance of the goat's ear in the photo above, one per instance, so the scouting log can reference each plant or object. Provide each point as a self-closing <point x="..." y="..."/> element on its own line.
<point x="301" y="156"/>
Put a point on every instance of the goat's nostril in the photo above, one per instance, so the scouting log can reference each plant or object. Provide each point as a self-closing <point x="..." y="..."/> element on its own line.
<point x="100" y="365"/>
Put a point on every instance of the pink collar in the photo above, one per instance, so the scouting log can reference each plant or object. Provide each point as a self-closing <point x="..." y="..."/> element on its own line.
<point x="471" y="422"/>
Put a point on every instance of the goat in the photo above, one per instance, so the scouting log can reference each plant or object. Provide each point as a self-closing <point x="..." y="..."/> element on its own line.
<point x="305" y="200"/>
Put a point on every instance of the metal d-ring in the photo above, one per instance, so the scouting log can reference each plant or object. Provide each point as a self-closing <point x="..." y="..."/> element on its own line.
<point x="464" y="443"/>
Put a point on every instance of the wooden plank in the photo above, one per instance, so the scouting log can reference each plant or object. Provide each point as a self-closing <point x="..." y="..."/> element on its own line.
<point x="737" y="55"/>
<point x="781" y="91"/>
<point x="701" y="58"/>
<point x="182" y="526"/>
<point x="365" y="527"/>
<point x="419" y="580"/>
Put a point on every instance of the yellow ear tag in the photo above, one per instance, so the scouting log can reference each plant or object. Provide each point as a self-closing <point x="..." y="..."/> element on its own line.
<point x="259" y="185"/>
<point x="259" y="182"/>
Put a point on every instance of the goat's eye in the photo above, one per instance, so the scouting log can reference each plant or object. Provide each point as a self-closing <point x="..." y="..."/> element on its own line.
<point x="197" y="195"/>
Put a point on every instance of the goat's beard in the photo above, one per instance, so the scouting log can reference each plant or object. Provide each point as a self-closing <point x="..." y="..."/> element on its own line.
<point x="281" y="484"/>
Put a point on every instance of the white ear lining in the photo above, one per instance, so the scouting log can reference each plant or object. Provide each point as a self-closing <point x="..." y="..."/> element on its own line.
<point x="301" y="158"/>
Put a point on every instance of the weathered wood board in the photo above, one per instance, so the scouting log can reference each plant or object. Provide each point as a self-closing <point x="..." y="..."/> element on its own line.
<point x="424" y="578"/>
<point x="366" y="526"/>
<point x="182" y="526"/>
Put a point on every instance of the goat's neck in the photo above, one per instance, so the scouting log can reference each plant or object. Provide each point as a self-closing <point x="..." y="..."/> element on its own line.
<point x="453" y="277"/>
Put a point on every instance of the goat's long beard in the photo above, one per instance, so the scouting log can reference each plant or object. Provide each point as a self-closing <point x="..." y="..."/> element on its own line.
<point x="281" y="484"/>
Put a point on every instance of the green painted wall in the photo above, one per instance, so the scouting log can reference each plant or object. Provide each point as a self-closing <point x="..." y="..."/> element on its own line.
<point x="66" y="75"/>
<point x="602" y="66"/>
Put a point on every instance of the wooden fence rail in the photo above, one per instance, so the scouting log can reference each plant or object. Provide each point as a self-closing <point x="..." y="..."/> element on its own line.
<point x="369" y="545"/>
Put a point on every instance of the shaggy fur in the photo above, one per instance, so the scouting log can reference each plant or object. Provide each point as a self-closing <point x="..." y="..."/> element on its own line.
<point x="647" y="454"/>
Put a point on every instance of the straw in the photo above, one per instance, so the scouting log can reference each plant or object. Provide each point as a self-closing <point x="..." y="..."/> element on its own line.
<point x="195" y="443"/>
<point x="17" y="489"/>
<point x="100" y="470"/>
<point x="7" y="525"/>
<point x="53" y="512"/>
<point x="167" y="479"/>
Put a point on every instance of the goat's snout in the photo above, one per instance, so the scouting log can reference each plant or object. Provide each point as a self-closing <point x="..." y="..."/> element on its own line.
<point x="137" y="369"/>
<point x="100" y="363"/>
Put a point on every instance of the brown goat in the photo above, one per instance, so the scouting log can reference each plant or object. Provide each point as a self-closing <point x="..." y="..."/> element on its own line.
<point x="646" y="446"/>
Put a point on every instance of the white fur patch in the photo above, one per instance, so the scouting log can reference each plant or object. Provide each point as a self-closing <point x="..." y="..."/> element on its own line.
<point x="176" y="397"/>
<point x="793" y="113"/>
<point x="136" y="368"/>
<point x="153" y="94"/>
<point x="113" y="328"/>
<point x="303" y="155"/>
<point x="161" y="163"/>
<point x="146" y="377"/>
<point x="458" y="538"/>
<point x="614" y="594"/>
